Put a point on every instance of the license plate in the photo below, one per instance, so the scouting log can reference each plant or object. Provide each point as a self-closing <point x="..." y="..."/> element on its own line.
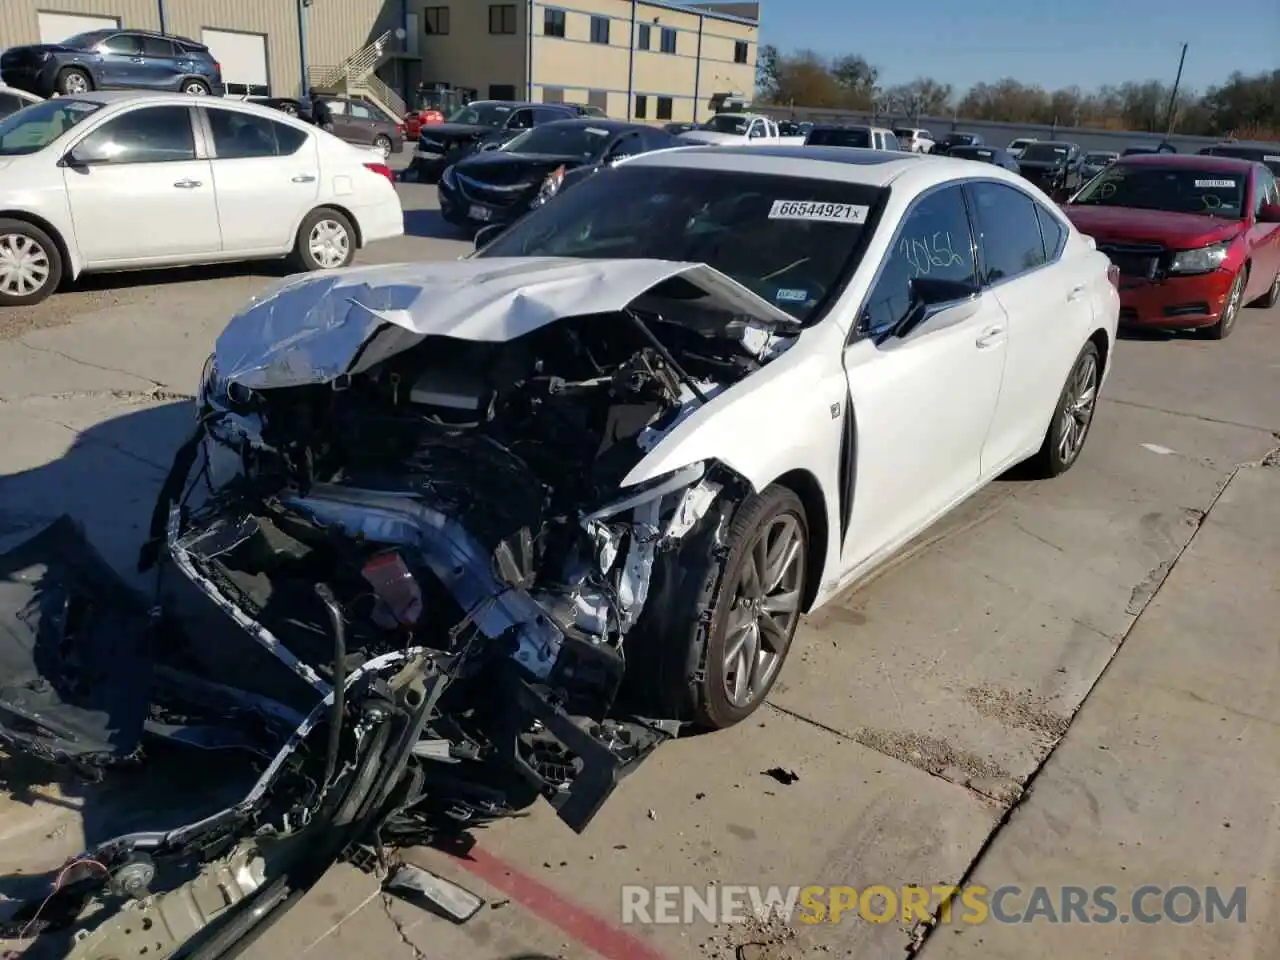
<point x="478" y="213"/>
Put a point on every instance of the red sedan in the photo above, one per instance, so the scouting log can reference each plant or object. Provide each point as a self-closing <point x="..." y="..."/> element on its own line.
<point x="1195" y="237"/>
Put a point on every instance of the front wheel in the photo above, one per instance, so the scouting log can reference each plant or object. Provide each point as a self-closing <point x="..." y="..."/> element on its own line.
<point x="1227" y="318"/>
<point x="72" y="82"/>
<point x="30" y="264"/>
<point x="1072" y="417"/>
<point x="757" y="610"/>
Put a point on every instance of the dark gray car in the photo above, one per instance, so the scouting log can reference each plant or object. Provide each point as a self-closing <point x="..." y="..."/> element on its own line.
<point x="360" y="122"/>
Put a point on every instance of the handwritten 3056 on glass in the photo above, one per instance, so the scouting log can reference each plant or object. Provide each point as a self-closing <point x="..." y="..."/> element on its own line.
<point x="813" y="210"/>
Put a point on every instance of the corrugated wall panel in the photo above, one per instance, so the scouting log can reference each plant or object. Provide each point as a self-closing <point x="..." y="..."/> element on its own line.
<point x="276" y="19"/>
<point x="338" y="28"/>
<point x="19" y="24"/>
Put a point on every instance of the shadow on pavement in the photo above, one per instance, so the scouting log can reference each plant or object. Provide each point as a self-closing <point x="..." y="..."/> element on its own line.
<point x="96" y="282"/>
<point x="430" y="224"/>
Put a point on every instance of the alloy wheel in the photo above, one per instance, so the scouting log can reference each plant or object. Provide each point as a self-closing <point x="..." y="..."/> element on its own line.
<point x="195" y="89"/>
<point x="329" y="243"/>
<point x="24" y="265"/>
<point x="1228" y="318"/>
<point x="764" y="612"/>
<point x="75" y="83"/>
<point x="1077" y="408"/>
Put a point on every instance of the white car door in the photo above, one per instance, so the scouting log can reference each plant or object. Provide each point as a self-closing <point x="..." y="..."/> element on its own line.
<point x="266" y="177"/>
<point x="1021" y="246"/>
<point x="922" y="402"/>
<point x="138" y="193"/>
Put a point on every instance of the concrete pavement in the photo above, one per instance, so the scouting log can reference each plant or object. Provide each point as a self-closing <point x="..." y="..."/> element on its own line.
<point x="915" y="711"/>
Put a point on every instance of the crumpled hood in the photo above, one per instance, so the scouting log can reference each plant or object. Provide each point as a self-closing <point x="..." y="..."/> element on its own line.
<point x="313" y="328"/>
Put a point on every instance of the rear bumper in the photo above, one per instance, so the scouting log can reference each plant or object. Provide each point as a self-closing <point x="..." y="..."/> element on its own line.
<point x="1174" y="302"/>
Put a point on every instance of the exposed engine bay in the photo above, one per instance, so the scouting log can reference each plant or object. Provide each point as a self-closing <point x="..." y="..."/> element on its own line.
<point x="428" y="534"/>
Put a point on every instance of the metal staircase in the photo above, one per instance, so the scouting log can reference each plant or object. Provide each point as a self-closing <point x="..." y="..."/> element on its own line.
<point x="356" y="77"/>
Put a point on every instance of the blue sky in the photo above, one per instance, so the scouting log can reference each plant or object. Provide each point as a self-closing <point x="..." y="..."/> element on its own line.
<point x="1055" y="44"/>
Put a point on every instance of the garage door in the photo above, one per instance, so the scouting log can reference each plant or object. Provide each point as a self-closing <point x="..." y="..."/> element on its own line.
<point x="56" y="27"/>
<point x="244" y="60"/>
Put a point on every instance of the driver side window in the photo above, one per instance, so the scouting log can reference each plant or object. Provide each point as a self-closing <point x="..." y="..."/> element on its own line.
<point x="934" y="241"/>
<point x="520" y="120"/>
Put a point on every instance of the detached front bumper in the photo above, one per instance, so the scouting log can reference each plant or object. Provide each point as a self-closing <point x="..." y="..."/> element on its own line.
<point x="1174" y="302"/>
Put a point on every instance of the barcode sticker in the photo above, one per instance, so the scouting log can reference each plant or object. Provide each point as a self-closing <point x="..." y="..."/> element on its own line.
<point x="1215" y="184"/>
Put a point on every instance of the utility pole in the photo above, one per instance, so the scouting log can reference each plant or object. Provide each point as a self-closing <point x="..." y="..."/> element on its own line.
<point x="1173" y="97"/>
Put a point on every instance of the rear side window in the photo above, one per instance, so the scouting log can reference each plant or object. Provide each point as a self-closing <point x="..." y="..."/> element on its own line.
<point x="240" y="136"/>
<point x="1008" y="232"/>
<point x="156" y="47"/>
<point x="1053" y="233"/>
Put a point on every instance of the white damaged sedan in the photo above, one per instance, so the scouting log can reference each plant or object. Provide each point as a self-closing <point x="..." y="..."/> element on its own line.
<point x="642" y="431"/>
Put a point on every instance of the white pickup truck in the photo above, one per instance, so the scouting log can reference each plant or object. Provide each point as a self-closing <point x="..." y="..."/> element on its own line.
<point x="737" y="128"/>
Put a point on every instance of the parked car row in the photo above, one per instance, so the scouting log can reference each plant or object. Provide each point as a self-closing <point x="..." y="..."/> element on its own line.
<point x="195" y="181"/>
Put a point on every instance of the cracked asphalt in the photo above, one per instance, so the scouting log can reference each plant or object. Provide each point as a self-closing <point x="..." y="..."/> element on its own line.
<point x="1063" y="683"/>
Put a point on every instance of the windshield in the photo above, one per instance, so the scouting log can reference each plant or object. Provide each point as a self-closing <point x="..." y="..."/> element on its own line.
<point x="35" y="127"/>
<point x="562" y="140"/>
<point x="482" y="114"/>
<point x="791" y="240"/>
<point x="1044" y="152"/>
<point x="837" y="137"/>
<point x="82" y="41"/>
<point x="1208" y="192"/>
<point x="726" y="123"/>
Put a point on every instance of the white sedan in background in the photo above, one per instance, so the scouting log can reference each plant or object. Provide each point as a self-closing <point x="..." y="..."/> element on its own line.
<point x="125" y="180"/>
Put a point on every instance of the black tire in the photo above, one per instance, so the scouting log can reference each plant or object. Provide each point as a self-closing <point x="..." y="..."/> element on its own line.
<point x="677" y="654"/>
<point x="72" y="81"/>
<point x="196" y="88"/>
<point x="305" y="257"/>
<point x="1056" y="457"/>
<point x="1272" y="296"/>
<point x="19" y="239"/>
<point x="1230" y="311"/>
<point x="383" y="143"/>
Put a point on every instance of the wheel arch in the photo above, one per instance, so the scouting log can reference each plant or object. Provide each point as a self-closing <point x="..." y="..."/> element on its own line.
<point x="806" y="487"/>
<point x="70" y="263"/>
<point x="1100" y="340"/>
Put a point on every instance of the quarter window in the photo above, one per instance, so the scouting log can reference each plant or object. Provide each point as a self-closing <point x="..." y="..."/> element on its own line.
<point x="149" y="135"/>
<point x="289" y="139"/>
<point x="934" y="242"/>
<point x="599" y="29"/>
<point x="1053" y="232"/>
<point x="1008" y="231"/>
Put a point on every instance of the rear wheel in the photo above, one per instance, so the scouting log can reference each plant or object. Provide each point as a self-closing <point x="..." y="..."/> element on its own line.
<point x="30" y="264"/>
<point x="73" y="81"/>
<point x="383" y="143"/>
<point x="326" y="240"/>
<point x="195" y="88"/>
<point x="1227" y="319"/>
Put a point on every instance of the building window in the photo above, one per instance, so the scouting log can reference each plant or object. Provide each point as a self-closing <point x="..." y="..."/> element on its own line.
<point x="642" y="37"/>
<point x="436" y="20"/>
<point x="642" y="107"/>
<point x="502" y="18"/>
<point x="599" y="29"/>
<point x="664" y="108"/>
<point x="668" y="40"/>
<point x="553" y="23"/>
<point x="740" y="51"/>
<point x="598" y="98"/>
<point x="502" y="91"/>
<point x="553" y="94"/>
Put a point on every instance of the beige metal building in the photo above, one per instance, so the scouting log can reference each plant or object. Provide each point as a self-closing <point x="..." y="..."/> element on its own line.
<point x="643" y="59"/>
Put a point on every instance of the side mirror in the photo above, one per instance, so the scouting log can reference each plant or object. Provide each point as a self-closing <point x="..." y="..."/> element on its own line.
<point x="929" y="296"/>
<point x="486" y="235"/>
<point x="73" y="159"/>
<point x="1270" y="213"/>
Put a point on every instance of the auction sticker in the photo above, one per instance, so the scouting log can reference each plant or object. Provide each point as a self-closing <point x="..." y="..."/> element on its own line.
<point x="1215" y="184"/>
<point x="1267" y="158"/>
<point x="813" y="210"/>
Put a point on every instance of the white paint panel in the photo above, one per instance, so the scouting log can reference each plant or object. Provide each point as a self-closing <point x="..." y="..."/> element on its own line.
<point x="243" y="56"/>
<point x="56" y="27"/>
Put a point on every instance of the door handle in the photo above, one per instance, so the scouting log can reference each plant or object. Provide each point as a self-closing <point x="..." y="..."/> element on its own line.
<point x="989" y="337"/>
<point x="1076" y="293"/>
<point x="304" y="178"/>
<point x="187" y="184"/>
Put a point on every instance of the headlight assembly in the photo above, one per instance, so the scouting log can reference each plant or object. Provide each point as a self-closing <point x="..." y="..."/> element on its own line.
<point x="550" y="187"/>
<point x="447" y="177"/>
<point x="1202" y="260"/>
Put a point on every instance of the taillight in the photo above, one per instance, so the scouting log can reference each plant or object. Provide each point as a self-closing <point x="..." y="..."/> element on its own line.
<point x="383" y="169"/>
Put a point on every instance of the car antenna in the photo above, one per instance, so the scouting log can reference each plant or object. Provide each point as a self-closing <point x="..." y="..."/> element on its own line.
<point x="664" y="353"/>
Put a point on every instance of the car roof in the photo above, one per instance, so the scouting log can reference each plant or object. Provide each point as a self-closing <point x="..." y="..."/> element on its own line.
<point x="123" y="98"/>
<point x="597" y="123"/>
<point x="875" y="168"/>
<point x="1190" y="161"/>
